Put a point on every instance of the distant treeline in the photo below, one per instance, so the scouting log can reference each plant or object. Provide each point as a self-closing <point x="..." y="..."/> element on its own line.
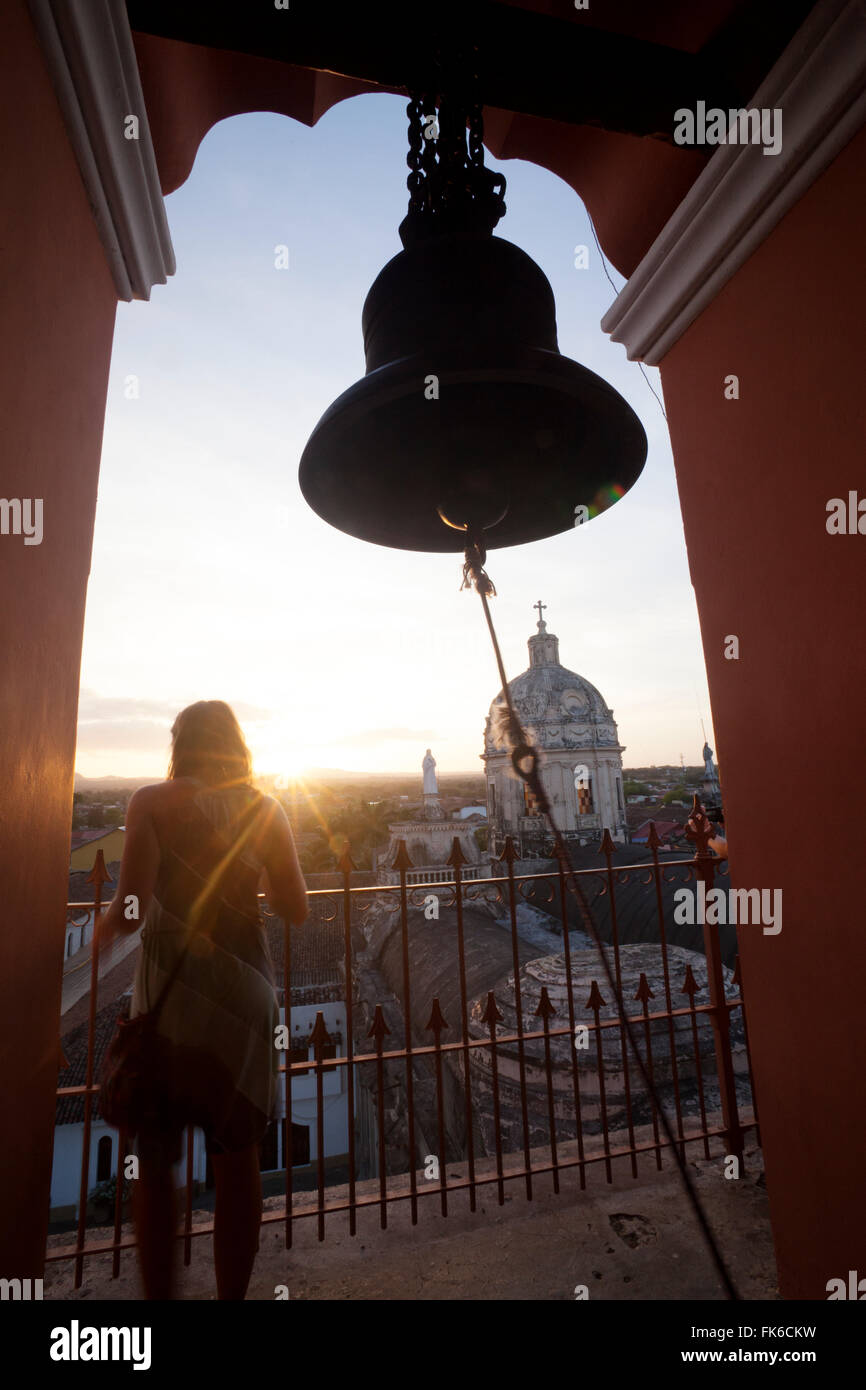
<point x="656" y="775"/>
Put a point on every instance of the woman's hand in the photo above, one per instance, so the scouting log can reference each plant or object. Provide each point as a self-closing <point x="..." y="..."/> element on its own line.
<point x="110" y="924"/>
<point x="284" y="883"/>
<point x="105" y="929"/>
<point x="720" y="845"/>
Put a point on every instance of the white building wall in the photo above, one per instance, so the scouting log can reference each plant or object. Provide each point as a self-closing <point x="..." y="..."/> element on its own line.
<point x="557" y="770"/>
<point x="78" y="935"/>
<point x="335" y="1095"/>
<point x="66" y="1166"/>
<point x="69" y="1138"/>
<point x="555" y="779"/>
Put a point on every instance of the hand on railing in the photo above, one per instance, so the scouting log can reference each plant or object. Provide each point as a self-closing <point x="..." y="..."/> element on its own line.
<point x="111" y="924"/>
<point x="720" y="845"/>
<point x="105" y="930"/>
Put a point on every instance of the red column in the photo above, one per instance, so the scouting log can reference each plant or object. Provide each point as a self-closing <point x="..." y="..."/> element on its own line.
<point x="57" y="312"/>
<point x="755" y="475"/>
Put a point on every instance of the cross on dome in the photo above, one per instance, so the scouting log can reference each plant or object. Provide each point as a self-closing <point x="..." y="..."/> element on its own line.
<point x="542" y="625"/>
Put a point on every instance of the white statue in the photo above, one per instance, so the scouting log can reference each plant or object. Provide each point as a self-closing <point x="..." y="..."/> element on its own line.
<point x="431" y="783"/>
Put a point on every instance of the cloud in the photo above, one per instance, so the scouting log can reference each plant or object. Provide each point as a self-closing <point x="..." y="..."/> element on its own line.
<point x="92" y="706"/>
<point x="371" y="738"/>
<point x="130" y="722"/>
<point x="129" y="735"/>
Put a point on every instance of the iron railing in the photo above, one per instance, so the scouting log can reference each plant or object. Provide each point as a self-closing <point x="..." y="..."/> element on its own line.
<point x="541" y="1093"/>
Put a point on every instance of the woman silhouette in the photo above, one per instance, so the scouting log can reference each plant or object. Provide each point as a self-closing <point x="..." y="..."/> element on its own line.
<point x="198" y="848"/>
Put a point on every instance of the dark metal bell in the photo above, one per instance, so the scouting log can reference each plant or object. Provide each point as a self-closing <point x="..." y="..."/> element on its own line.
<point x="468" y="413"/>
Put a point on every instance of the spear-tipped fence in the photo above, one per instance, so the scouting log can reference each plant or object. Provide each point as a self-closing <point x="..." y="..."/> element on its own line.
<point x="534" y="1078"/>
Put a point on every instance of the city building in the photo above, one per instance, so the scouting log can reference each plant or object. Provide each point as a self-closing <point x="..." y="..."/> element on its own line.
<point x="429" y="841"/>
<point x="85" y="843"/>
<point x="567" y="719"/>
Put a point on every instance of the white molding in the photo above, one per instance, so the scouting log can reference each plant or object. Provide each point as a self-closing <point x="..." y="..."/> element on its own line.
<point x="91" y="59"/>
<point x="819" y="83"/>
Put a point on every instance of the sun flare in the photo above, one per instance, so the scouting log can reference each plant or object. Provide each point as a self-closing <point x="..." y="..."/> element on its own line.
<point x="285" y="766"/>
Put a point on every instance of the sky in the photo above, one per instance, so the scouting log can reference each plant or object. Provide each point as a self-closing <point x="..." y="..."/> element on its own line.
<point x="211" y="577"/>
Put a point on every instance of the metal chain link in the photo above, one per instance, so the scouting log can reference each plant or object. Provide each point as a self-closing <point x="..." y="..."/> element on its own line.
<point x="415" y="182"/>
<point x="430" y="143"/>
<point x="449" y="186"/>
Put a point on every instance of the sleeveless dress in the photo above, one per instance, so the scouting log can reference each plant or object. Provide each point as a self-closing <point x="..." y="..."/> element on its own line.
<point x="221" y="1011"/>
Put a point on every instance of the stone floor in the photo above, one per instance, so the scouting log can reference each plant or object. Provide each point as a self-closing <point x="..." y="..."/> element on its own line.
<point x="629" y="1240"/>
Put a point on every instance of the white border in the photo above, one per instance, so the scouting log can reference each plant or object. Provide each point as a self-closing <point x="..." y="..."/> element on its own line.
<point x="820" y="85"/>
<point x="91" y="60"/>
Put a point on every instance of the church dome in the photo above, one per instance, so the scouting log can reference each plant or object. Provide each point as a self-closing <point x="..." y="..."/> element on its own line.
<point x="557" y="707"/>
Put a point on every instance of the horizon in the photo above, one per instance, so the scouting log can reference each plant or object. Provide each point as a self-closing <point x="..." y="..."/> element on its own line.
<point x="211" y="576"/>
<point x="320" y="773"/>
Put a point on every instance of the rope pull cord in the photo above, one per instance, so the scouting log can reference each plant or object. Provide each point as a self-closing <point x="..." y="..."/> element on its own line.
<point x="475" y="557"/>
<point x="522" y="749"/>
<point x="474" y="573"/>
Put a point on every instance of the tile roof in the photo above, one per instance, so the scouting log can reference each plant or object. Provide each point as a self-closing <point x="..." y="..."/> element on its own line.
<point x="114" y="982"/>
<point x="70" y="1109"/>
<point x="83" y="837"/>
<point x="80" y="891"/>
<point x="663" y="829"/>
<point x="636" y="909"/>
<point x="318" y="947"/>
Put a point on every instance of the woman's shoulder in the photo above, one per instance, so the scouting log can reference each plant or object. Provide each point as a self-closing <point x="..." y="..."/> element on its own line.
<point x="158" y="794"/>
<point x="269" y="815"/>
<point x="266" y="809"/>
<point x="146" y="796"/>
<point x="174" y="791"/>
<point x="254" y="813"/>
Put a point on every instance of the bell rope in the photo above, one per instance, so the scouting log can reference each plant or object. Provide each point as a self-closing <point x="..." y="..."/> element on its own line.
<point x="522" y="750"/>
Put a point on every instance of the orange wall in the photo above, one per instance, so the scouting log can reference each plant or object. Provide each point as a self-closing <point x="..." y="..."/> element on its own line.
<point x="57" y="311"/>
<point x="755" y="476"/>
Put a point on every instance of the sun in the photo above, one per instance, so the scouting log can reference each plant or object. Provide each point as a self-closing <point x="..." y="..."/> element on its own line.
<point x="289" y="771"/>
<point x="282" y="764"/>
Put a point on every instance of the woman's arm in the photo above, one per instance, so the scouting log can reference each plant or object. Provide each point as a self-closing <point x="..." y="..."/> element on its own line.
<point x="285" y="888"/>
<point x="138" y="870"/>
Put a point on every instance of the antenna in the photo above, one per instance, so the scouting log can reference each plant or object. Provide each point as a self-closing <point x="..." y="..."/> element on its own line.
<point x="700" y="716"/>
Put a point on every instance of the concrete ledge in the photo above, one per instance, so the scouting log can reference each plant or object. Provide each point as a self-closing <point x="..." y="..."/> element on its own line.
<point x="632" y="1239"/>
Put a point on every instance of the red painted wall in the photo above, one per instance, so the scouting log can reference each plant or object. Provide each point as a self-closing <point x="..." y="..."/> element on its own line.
<point x="755" y="476"/>
<point x="57" y="307"/>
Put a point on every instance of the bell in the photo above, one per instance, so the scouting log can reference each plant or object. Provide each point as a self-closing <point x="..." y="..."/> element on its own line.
<point x="468" y="417"/>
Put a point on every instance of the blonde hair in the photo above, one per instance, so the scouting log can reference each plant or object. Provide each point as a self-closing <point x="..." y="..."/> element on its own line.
<point x="207" y="742"/>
